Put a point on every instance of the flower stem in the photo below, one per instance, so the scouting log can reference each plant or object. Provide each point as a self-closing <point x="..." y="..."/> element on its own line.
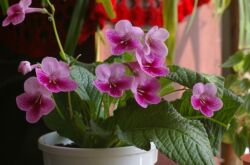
<point x="70" y="106"/>
<point x="58" y="109"/>
<point x="62" y="53"/>
<point x="52" y="19"/>
<point x="212" y="119"/>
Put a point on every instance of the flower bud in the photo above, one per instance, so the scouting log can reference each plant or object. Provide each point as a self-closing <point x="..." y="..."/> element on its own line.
<point x="24" y="67"/>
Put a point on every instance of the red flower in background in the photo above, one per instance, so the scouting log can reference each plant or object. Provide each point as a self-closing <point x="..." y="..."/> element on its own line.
<point x="43" y="41"/>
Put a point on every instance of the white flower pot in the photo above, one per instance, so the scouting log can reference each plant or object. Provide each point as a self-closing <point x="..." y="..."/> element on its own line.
<point x="55" y="155"/>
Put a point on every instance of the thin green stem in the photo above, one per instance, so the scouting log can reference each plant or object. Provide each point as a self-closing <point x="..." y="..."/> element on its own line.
<point x="211" y="119"/>
<point x="62" y="53"/>
<point x="52" y="19"/>
<point x="70" y="106"/>
<point x="58" y="110"/>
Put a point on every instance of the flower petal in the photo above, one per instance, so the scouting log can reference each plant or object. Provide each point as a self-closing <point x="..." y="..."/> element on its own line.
<point x="152" y="98"/>
<point x="6" y="21"/>
<point x="25" y="101"/>
<point x="63" y="70"/>
<point x="117" y="70"/>
<point x="151" y="85"/>
<point x="113" y="36"/>
<point x="205" y="110"/>
<point x="33" y="116"/>
<point x="25" y="3"/>
<point x="137" y="32"/>
<point x="50" y="65"/>
<point x="210" y="89"/>
<point x="101" y="86"/>
<point x="17" y="19"/>
<point x="124" y="83"/>
<point x="47" y="105"/>
<point x="195" y="102"/>
<point x="66" y="84"/>
<point x="198" y="89"/>
<point x="123" y="27"/>
<point x="32" y="87"/>
<point x="115" y="92"/>
<point x="103" y="72"/>
<point x="160" y="34"/>
<point x="214" y="103"/>
<point x="140" y="100"/>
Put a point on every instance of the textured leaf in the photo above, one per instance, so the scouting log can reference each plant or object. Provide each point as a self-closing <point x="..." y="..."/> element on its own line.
<point x="188" y="78"/>
<point x="233" y="60"/>
<point x="86" y="90"/>
<point x="182" y="140"/>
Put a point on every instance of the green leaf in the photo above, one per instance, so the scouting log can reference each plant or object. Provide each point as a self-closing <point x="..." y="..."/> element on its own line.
<point x="75" y="27"/>
<point x="170" y="21"/>
<point x="86" y="90"/>
<point x="246" y="64"/>
<point x="71" y="128"/>
<point x="182" y="140"/>
<point x="189" y="78"/>
<point x="107" y="4"/>
<point x="239" y="137"/>
<point x="221" y="5"/>
<point x="4" y="5"/>
<point x="233" y="60"/>
<point x="246" y="104"/>
<point x="166" y="87"/>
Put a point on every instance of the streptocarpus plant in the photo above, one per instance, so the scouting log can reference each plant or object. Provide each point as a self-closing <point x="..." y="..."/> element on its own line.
<point x="121" y="103"/>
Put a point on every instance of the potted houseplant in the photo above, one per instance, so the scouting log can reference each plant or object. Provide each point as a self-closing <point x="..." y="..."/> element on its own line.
<point x="114" y="110"/>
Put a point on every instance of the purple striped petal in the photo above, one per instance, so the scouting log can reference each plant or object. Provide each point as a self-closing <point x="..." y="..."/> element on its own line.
<point x="205" y="110"/>
<point x="66" y="85"/>
<point x="195" y="102"/>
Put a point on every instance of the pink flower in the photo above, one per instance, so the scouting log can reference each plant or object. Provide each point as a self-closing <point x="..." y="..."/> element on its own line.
<point x="36" y="101"/>
<point x="111" y="79"/>
<point x="124" y="37"/>
<point x="204" y="99"/>
<point x="154" y="67"/>
<point x="25" y="67"/>
<point x="154" y="41"/>
<point x="16" y="13"/>
<point x="55" y="75"/>
<point x="145" y="91"/>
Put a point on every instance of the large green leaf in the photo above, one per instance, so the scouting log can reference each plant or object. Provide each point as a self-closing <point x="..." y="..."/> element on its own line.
<point x="189" y="78"/>
<point x="182" y="140"/>
<point x="86" y="90"/>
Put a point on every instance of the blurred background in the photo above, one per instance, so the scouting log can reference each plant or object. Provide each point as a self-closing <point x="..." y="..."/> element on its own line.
<point x="203" y="34"/>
